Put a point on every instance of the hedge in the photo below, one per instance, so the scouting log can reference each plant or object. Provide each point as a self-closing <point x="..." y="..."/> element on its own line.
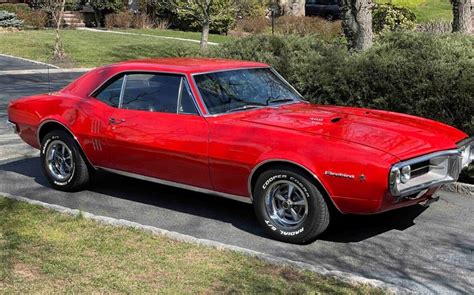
<point x="429" y="75"/>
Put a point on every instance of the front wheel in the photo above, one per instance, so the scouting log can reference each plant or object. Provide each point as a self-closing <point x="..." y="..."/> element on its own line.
<point x="62" y="162"/>
<point x="289" y="206"/>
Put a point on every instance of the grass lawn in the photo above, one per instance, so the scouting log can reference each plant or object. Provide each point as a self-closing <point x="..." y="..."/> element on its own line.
<point x="90" y="49"/>
<point x="178" y="34"/>
<point x="426" y="10"/>
<point x="43" y="251"/>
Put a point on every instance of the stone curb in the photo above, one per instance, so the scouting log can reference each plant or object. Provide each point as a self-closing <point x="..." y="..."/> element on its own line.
<point x="459" y="188"/>
<point x="346" y="277"/>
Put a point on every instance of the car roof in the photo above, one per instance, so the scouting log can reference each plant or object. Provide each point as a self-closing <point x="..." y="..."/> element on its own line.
<point x="187" y="65"/>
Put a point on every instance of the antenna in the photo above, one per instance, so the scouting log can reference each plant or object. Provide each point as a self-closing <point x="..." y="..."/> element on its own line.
<point x="49" y="81"/>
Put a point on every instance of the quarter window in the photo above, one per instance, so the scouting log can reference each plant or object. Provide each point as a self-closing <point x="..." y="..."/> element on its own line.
<point x="111" y="93"/>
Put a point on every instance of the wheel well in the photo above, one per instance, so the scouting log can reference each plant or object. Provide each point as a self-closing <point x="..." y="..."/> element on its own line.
<point x="282" y="165"/>
<point x="50" y="126"/>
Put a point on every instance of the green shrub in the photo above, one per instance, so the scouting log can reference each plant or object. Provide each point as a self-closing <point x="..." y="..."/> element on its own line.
<point x="190" y="16"/>
<point x="9" y="20"/>
<point x="37" y="19"/>
<point x="416" y="73"/>
<point x="15" y="8"/>
<point x="388" y="17"/>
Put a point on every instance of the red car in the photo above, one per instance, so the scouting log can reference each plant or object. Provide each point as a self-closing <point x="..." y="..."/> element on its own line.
<point x="237" y="129"/>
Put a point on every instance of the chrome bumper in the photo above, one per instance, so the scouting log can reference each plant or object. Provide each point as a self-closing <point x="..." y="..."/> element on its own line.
<point x="12" y="126"/>
<point x="430" y="170"/>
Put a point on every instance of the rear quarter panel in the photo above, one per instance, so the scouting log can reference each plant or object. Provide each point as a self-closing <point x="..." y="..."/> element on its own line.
<point x="78" y="115"/>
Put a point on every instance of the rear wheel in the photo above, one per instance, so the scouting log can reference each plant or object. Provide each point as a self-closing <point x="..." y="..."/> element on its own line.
<point x="62" y="162"/>
<point x="289" y="206"/>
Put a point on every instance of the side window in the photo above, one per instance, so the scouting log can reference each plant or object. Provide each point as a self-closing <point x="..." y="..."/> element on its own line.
<point x="186" y="105"/>
<point x="151" y="92"/>
<point x="111" y="93"/>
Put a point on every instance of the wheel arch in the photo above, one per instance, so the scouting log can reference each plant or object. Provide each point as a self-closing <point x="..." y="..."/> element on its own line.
<point x="49" y="125"/>
<point x="271" y="163"/>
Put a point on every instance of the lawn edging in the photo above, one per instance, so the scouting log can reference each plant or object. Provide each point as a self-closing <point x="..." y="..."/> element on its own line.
<point x="144" y="35"/>
<point x="42" y="71"/>
<point x="346" y="277"/>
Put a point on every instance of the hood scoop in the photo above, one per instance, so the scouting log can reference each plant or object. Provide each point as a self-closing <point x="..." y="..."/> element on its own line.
<point x="335" y="120"/>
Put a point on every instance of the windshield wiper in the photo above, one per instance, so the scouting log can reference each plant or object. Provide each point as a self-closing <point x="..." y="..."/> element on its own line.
<point x="273" y="100"/>
<point x="245" y="107"/>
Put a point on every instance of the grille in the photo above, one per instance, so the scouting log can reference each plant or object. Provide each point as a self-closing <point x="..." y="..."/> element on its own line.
<point x="420" y="168"/>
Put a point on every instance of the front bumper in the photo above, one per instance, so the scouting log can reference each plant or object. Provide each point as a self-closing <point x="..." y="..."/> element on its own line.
<point x="431" y="170"/>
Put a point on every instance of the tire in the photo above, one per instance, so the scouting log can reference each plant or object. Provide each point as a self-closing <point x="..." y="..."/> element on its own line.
<point x="312" y="213"/>
<point x="71" y="176"/>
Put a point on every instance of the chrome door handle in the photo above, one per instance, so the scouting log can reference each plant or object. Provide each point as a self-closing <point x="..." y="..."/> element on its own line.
<point x="116" y="121"/>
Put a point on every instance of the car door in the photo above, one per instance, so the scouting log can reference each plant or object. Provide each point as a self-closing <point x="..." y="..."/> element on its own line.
<point x="157" y="131"/>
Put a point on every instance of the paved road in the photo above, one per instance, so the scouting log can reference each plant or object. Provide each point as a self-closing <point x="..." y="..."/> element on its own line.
<point x="14" y="86"/>
<point x="429" y="250"/>
<point x="7" y="63"/>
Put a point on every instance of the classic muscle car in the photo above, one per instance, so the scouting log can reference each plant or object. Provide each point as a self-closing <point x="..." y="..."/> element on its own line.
<point x="237" y="129"/>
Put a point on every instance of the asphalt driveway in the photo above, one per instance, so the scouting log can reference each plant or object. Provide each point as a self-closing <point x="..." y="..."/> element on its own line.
<point x="429" y="250"/>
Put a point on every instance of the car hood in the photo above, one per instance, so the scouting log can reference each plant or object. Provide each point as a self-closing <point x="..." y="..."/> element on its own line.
<point x="400" y="135"/>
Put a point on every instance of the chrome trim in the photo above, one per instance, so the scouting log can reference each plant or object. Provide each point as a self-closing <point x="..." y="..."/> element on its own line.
<point x="122" y="90"/>
<point x="465" y="142"/>
<point x="452" y="172"/>
<point x="12" y="126"/>
<point x="180" y="92"/>
<point x="426" y="157"/>
<point x="249" y="181"/>
<point x="180" y="185"/>
<point x="69" y="130"/>
<point x="207" y="115"/>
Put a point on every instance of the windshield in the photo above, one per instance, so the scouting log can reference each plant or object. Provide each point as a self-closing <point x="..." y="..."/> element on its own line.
<point x="243" y="89"/>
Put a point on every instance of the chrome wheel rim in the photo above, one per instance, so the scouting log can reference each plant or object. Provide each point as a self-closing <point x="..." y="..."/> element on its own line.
<point x="286" y="204"/>
<point x="59" y="160"/>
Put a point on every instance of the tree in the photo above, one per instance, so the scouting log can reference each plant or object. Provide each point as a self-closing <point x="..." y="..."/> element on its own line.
<point x="357" y="23"/>
<point x="292" y="7"/>
<point x="206" y="13"/>
<point x="56" y="9"/>
<point x="462" y="21"/>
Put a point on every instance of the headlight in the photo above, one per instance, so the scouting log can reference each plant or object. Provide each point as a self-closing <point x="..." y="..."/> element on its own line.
<point x="394" y="176"/>
<point x="405" y="174"/>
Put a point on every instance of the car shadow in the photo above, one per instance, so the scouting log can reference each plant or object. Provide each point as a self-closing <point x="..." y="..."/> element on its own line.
<point x="343" y="228"/>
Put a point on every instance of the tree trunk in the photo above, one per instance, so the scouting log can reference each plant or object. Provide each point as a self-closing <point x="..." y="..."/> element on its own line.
<point x="204" y="34"/>
<point x="357" y="23"/>
<point x="292" y="7"/>
<point x="462" y="21"/>
<point x="97" y="16"/>
<point x="58" y="53"/>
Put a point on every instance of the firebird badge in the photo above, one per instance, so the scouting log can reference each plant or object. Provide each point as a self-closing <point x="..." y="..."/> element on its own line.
<point x="341" y="175"/>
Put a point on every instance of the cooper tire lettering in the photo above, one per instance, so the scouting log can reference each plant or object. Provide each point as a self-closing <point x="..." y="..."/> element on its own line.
<point x="273" y="212"/>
